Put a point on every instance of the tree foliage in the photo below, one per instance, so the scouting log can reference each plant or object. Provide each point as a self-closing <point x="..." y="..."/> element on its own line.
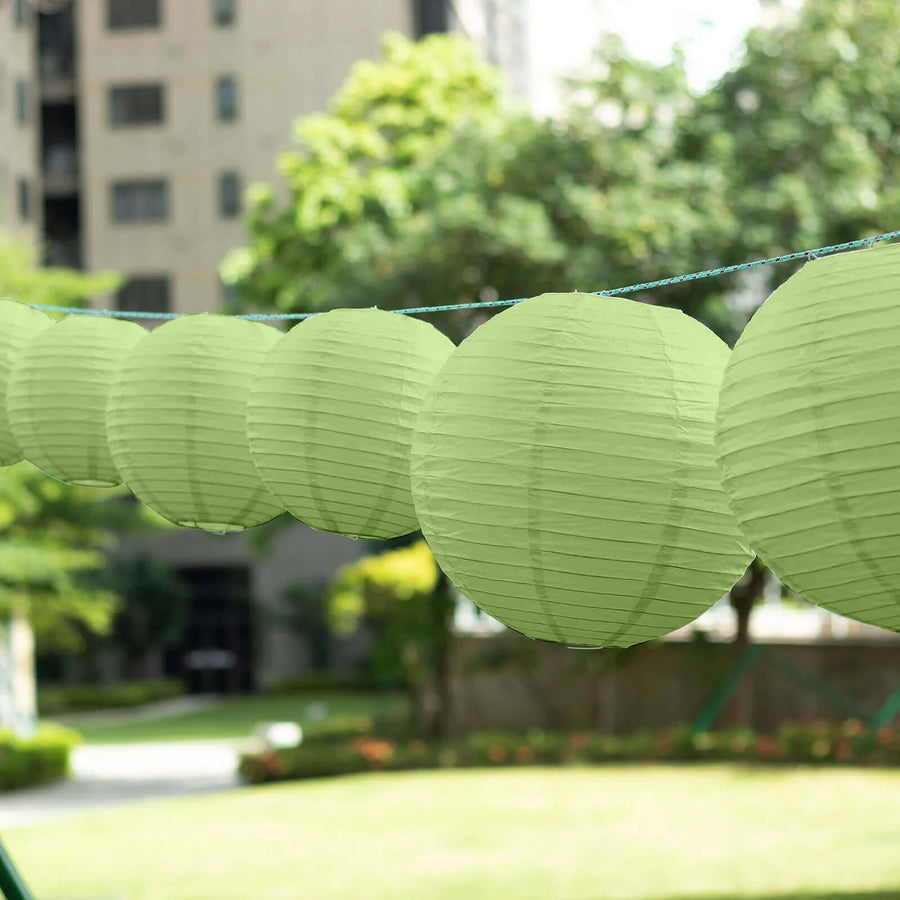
<point x="807" y="128"/>
<point x="483" y="202"/>
<point x="53" y="536"/>
<point x="22" y="279"/>
<point x="408" y="603"/>
<point x="153" y="609"/>
<point x="351" y="175"/>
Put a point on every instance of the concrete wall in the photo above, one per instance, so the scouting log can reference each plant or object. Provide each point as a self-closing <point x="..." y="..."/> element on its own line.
<point x="512" y="683"/>
<point x="18" y="143"/>
<point x="288" y="59"/>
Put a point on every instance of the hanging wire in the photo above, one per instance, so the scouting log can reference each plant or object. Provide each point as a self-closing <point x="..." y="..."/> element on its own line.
<point x="487" y="304"/>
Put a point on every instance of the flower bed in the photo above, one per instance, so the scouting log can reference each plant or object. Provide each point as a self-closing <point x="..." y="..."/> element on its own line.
<point x="44" y="757"/>
<point x="849" y="742"/>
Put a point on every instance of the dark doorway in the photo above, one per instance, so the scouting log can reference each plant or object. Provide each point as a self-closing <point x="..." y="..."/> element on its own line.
<point x="216" y="655"/>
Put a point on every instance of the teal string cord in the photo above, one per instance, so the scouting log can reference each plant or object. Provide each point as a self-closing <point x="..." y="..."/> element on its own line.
<point x="488" y="304"/>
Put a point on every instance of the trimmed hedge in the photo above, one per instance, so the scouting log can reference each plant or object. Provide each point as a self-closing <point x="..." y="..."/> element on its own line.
<point x="849" y="742"/>
<point x="67" y="698"/>
<point x="44" y="757"/>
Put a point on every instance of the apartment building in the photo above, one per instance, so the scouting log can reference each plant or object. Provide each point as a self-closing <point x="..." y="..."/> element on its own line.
<point x="130" y="129"/>
<point x="20" y="207"/>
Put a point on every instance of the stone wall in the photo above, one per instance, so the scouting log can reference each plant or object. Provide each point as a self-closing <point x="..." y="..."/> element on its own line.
<point x="509" y="682"/>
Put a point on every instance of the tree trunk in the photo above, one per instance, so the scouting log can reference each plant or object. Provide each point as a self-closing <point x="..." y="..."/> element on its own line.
<point x="438" y="723"/>
<point x="744" y="594"/>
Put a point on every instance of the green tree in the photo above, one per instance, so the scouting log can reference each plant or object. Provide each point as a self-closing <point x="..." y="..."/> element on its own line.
<point x="488" y="202"/>
<point x="353" y="171"/>
<point x="807" y="127"/>
<point x="54" y="537"/>
<point x="152" y="612"/>
<point x="21" y="278"/>
<point x="408" y="602"/>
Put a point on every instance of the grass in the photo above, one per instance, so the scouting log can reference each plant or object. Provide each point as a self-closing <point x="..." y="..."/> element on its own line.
<point x="604" y="833"/>
<point x="236" y="717"/>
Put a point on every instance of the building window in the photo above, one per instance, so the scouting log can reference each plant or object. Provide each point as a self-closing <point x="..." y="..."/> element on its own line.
<point x="140" y="201"/>
<point x="21" y="13"/>
<point x="223" y="12"/>
<point x="23" y="104"/>
<point x="429" y="17"/>
<point x="136" y="104"/>
<point x="226" y="98"/>
<point x="145" y="293"/>
<point x="126" y="14"/>
<point x="24" y="198"/>
<point x="229" y="195"/>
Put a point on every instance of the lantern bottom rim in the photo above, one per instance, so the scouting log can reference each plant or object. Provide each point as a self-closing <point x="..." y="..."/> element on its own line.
<point x="91" y="482"/>
<point x="216" y="527"/>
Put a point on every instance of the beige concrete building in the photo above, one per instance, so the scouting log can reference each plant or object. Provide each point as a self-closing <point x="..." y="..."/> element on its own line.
<point x="20" y="207"/>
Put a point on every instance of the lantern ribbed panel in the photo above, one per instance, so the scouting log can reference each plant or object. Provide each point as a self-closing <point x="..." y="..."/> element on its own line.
<point x="331" y="416"/>
<point x="19" y="323"/>
<point x="58" y="393"/>
<point x="808" y="433"/>
<point x="564" y="475"/>
<point x="177" y="422"/>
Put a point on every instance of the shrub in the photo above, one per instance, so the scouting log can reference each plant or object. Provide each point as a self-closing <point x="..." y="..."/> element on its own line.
<point x="54" y="701"/>
<point x="816" y="743"/>
<point x="43" y="757"/>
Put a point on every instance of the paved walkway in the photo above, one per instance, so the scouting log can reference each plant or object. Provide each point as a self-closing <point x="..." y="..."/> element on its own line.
<point x="112" y="774"/>
<point x="162" y="709"/>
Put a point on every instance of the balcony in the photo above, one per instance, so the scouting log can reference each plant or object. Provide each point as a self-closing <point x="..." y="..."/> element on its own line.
<point x="60" y="171"/>
<point x="57" y="71"/>
<point x="64" y="253"/>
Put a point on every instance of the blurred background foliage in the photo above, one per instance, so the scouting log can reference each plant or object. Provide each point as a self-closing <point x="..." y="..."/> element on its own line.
<point x="421" y="188"/>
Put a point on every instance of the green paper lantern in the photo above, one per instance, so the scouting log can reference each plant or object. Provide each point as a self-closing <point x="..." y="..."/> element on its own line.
<point x="331" y="418"/>
<point x="57" y="396"/>
<point x="177" y="422"/>
<point x="564" y="474"/>
<point x="808" y="433"/>
<point x="19" y="323"/>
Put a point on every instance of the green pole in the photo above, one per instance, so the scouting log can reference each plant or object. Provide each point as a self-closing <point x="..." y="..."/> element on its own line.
<point x="716" y="703"/>
<point x="11" y="883"/>
<point x="891" y="707"/>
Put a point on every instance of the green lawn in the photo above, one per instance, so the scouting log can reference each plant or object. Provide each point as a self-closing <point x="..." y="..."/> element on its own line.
<point x="574" y="833"/>
<point x="236" y="717"/>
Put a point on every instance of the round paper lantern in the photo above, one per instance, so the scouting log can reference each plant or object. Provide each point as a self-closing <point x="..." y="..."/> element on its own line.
<point x="808" y="433"/>
<point x="564" y="474"/>
<point x="19" y="323"/>
<point x="177" y="422"/>
<point x="57" y="395"/>
<point x="331" y="417"/>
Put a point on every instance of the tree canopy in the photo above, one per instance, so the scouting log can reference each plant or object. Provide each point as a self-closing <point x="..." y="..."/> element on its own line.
<point x="53" y="536"/>
<point x="420" y="188"/>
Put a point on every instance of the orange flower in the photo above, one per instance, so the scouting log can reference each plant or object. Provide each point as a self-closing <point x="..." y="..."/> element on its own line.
<point x="496" y="753"/>
<point x="525" y="755"/>
<point x="373" y="749"/>
<point x="578" y="740"/>
<point x="842" y="750"/>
